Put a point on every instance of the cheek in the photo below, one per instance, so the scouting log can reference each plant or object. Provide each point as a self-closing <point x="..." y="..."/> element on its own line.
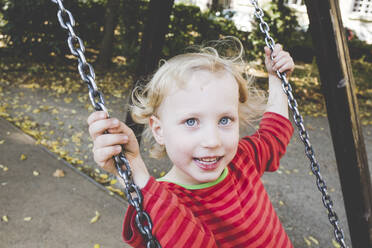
<point x="178" y="145"/>
<point x="231" y="142"/>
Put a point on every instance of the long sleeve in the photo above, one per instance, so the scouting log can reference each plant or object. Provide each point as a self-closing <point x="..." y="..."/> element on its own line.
<point x="174" y="225"/>
<point x="269" y="143"/>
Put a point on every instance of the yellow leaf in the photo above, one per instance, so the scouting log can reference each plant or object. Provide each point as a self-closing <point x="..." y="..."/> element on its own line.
<point x="335" y="244"/>
<point x="97" y="246"/>
<point x="281" y="203"/>
<point x="315" y="241"/>
<point x="2" y="142"/>
<point x="36" y="173"/>
<point x="54" y="111"/>
<point x="67" y="99"/>
<point x="115" y="190"/>
<point x="162" y="173"/>
<point x="103" y="176"/>
<point x="5" y="168"/>
<point x="308" y="243"/>
<point x="36" y="111"/>
<point x="27" y="218"/>
<point x="59" y="173"/>
<point x="95" y="218"/>
<point x="30" y="86"/>
<point x="5" y="218"/>
<point x="113" y="181"/>
<point x="23" y="157"/>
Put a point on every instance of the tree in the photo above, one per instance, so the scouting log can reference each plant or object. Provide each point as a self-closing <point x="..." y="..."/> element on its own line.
<point x="215" y="5"/>
<point x="111" y="20"/>
<point x="156" y="26"/>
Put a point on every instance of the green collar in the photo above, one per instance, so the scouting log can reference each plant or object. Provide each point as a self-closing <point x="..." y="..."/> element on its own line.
<point x="200" y="186"/>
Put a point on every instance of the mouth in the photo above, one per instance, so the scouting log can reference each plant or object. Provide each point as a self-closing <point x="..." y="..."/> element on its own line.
<point x="208" y="163"/>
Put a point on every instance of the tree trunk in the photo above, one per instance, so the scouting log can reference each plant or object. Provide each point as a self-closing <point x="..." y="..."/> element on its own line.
<point x="111" y="17"/>
<point x="215" y="5"/>
<point x="156" y="27"/>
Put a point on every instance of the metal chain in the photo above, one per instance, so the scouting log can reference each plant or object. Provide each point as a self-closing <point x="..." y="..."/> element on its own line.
<point x="304" y="136"/>
<point x="86" y="71"/>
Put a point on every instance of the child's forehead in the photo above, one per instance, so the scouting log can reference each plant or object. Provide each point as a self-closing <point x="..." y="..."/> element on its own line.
<point x="202" y="76"/>
<point x="204" y="79"/>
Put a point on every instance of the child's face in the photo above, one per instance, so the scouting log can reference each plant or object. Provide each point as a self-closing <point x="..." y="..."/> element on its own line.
<point x="199" y="126"/>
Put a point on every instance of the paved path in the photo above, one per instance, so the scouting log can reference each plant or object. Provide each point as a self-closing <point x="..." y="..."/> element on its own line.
<point x="60" y="208"/>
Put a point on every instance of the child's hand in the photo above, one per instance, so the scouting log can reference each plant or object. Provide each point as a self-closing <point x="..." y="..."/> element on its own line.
<point x="105" y="146"/>
<point x="282" y="62"/>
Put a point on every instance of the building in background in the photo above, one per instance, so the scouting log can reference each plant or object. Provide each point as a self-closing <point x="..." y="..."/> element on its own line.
<point x="356" y="14"/>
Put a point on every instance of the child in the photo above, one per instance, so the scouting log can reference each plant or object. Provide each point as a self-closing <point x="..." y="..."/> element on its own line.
<point x="213" y="195"/>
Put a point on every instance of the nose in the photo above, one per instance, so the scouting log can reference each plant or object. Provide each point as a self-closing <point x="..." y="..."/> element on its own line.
<point x="211" y="137"/>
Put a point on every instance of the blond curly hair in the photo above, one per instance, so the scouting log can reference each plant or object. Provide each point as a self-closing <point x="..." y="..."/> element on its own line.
<point x="175" y="73"/>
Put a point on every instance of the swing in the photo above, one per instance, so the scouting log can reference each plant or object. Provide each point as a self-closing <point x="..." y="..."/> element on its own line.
<point x="132" y="191"/>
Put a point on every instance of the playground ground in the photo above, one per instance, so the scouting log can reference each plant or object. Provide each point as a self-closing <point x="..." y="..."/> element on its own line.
<point x="40" y="210"/>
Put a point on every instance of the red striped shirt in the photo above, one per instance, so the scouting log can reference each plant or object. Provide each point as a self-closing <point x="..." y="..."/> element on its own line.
<point x="235" y="212"/>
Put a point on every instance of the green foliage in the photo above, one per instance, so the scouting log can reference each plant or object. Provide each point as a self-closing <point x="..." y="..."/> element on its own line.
<point x="32" y="27"/>
<point x="131" y="26"/>
<point x="189" y="26"/>
<point x="359" y="49"/>
<point x="284" y="29"/>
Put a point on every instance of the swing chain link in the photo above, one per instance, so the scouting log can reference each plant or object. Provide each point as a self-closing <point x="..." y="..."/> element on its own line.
<point x="132" y="191"/>
<point x="304" y="136"/>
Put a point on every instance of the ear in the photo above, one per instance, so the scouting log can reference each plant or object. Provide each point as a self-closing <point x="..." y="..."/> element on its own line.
<point x="157" y="130"/>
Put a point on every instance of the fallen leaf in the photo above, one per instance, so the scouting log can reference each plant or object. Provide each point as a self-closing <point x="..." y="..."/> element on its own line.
<point x="315" y="241"/>
<point x="36" y="173"/>
<point x="2" y="142"/>
<point x="5" y="168"/>
<point x="27" y="218"/>
<point x="23" y="157"/>
<point x="95" y="218"/>
<point x="97" y="246"/>
<point x="335" y="244"/>
<point x="308" y="242"/>
<point x="59" y="173"/>
<point x="5" y="218"/>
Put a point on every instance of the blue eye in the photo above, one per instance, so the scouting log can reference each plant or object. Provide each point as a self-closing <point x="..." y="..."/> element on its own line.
<point x="190" y="122"/>
<point x="225" y="121"/>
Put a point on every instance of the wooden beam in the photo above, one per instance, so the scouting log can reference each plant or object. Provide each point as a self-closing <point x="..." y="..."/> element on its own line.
<point x="338" y="86"/>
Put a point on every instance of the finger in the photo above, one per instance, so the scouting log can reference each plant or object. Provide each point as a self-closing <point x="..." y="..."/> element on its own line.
<point x="101" y="155"/>
<point x="99" y="127"/>
<point x="132" y="145"/>
<point x="277" y="49"/>
<point x="278" y="64"/>
<point x="288" y="68"/>
<point x="267" y="51"/>
<point x="95" y="116"/>
<point x="282" y="55"/>
<point x="110" y="140"/>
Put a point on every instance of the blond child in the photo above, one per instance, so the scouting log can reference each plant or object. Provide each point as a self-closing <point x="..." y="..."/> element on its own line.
<point x="212" y="196"/>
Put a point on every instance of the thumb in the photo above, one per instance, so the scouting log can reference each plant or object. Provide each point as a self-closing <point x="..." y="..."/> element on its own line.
<point x="267" y="51"/>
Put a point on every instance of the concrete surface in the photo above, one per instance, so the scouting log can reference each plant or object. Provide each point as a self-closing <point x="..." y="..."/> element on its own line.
<point x="60" y="208"/>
